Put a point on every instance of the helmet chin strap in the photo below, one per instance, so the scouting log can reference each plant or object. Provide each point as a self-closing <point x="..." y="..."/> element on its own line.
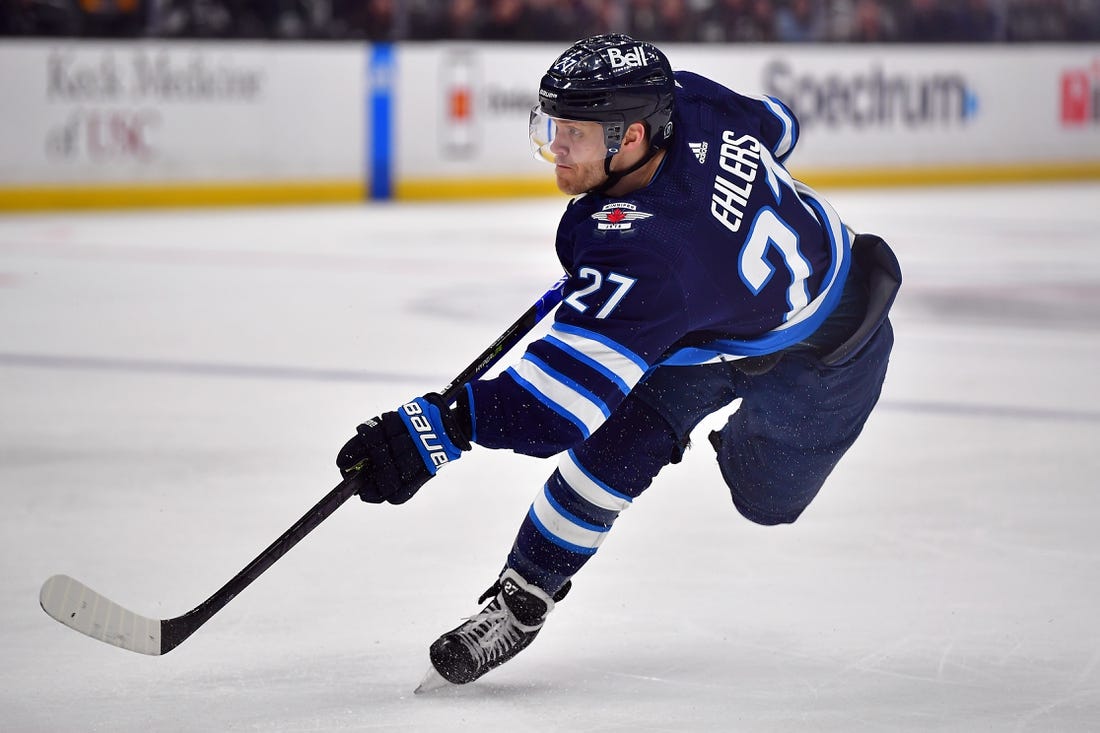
<point x="613" y="177"/>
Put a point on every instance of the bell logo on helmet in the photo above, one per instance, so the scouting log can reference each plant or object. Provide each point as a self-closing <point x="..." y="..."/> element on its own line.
<point x="619" y="59"/>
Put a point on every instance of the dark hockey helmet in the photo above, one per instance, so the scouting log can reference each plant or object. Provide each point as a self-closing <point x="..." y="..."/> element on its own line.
<point x="615" y="80"/>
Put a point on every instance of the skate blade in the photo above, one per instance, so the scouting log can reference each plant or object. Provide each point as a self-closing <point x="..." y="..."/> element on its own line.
<point x="432" y="681"/>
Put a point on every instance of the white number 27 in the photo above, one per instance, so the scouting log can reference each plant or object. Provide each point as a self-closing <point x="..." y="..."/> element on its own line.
<point x="768" y="230"/>
<point x="622" y="285"/>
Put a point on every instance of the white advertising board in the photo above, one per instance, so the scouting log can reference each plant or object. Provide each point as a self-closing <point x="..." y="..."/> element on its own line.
<point x="884" y="106"/>
<point x="462" y="109"/>
<point x="253" y="122"/>
<point x="908" y="110"/>
<point x="158" y="112"/>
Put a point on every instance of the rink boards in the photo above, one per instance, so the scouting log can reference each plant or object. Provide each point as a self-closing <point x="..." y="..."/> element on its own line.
<point x="147" y="123"/>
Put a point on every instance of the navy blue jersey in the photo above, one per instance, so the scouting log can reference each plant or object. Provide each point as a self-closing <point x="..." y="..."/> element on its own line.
<point x="722" y="256"/>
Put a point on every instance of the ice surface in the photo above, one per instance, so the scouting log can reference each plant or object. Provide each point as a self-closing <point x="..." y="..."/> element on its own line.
<point x="174" y="387"/>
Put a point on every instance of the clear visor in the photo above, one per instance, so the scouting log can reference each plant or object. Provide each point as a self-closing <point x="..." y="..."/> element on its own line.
<point x="566" y="142"/>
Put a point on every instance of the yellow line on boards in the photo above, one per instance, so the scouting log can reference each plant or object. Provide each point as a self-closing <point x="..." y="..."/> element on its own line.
<point x="133" y="195"/>
<point x="440" y="189"/>
<point x="946" y="176"/>
<point x="468" y="188"/>
<point x="44" y="198"/>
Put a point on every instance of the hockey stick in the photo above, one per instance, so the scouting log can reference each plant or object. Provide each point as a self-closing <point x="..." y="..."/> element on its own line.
<point x="79" y="607"/>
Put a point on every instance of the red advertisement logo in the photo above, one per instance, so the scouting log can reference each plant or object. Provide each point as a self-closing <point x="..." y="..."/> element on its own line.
<point x="460" y="131"/>
<point x="104" y="135"/>
<point x="1081" y="96"/>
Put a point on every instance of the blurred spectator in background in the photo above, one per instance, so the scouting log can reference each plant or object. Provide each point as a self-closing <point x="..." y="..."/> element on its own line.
<point x="924" y="21"/>
<point x="800" y="21"/>
<point x="238" y="18"/>
<point x="191" y="18"/>
<point x="599" y="16"/>
<point x="739" y="21"/>
<point x="689" y="21"/>
<point x="39" y="18"/>
<point x="1037" y="20"/>
<point x="977" y="21"/>
<point x="873" y="23"/>
<point x="552" y="20"/>
<point x="445" y="20"/>
<point x="1084" y="20"/>
<point x="111" y="18"/>
<point x="377" y="21"/>
<point x="508" y="20"/>
<point x="291" y="19"/>
<point x="674" y="22"/>
<point x="658" y="20"/>
<point x="641" y="18"/>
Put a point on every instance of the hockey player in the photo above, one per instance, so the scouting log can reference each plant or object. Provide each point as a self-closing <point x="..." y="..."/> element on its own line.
<point x="699" y="272"/>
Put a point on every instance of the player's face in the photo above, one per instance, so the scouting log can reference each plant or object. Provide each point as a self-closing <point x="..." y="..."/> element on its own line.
<point x="579" y="153"/>
<point x="577" y="150"/>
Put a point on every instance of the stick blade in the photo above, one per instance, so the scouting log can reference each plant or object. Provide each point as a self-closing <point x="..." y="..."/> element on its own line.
<point x="77" y="606"/>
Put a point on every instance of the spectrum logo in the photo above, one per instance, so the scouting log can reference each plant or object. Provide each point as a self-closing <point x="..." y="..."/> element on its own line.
<point x="1081" y="96"/>
<point x="873" y="97"/>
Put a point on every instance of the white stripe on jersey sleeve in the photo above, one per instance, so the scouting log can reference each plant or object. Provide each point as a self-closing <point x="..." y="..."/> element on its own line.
<point x="567" y="399"/>
<point x="589" y="488"/>
<point x="787" y="141"/>
<point x="616" y="359"/>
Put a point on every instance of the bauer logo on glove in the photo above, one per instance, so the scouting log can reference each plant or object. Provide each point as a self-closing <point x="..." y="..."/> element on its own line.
<point x="435" y="447"/>
<point x="394" y="454"/>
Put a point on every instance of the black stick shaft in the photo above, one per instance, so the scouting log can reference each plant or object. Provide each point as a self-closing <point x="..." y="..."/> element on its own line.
<point x="176" y="630"/>
<point x="504" y="343"/>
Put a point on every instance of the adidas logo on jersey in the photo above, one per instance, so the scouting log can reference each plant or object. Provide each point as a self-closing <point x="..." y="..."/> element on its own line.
<point x="700" y="150"/>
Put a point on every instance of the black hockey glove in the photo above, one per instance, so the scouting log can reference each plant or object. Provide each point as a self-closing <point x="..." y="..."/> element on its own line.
<point x="396" y="453"/>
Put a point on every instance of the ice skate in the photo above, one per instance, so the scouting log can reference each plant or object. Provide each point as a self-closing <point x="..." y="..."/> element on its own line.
<point x="500" y="631"/>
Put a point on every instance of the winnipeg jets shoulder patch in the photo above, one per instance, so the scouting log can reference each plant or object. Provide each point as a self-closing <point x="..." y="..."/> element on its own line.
<point x="619" y="216"/>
